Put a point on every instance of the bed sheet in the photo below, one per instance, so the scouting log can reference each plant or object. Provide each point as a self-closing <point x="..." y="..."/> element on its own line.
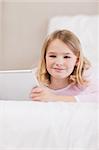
<point x="28" y="125"/>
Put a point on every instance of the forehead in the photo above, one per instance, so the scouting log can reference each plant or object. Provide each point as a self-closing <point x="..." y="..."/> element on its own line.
<point x="57" y="46"/>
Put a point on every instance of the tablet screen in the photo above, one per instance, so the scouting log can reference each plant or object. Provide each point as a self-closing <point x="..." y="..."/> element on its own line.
<point x="17" y="85"/>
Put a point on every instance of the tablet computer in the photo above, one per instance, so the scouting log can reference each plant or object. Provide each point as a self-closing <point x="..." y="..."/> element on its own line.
<point x="17" y="84"/>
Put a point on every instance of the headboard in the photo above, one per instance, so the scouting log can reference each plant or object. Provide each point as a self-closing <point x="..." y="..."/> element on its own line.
<point x="85" y="27"/>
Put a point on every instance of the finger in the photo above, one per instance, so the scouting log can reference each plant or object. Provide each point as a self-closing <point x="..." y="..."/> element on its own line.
<point x="34" y="87"/>
<point x="37" y="90"/>
<point x="34" y="94"/>
<point x="36" y="98"/>
<point x="33" y="97"/>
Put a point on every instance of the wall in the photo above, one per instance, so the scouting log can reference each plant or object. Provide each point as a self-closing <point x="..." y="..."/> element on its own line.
<point x="24" y="24"/>
<point x="1" y="55"/>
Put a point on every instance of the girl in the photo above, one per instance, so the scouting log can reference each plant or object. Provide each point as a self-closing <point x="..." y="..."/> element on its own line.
<point x="63" y="70"/>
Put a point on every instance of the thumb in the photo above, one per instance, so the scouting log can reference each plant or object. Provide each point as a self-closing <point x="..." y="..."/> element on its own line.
<point x="37" y="89"/>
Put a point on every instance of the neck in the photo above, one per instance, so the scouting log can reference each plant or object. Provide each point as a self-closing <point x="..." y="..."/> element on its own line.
<point x="58" y="84"/>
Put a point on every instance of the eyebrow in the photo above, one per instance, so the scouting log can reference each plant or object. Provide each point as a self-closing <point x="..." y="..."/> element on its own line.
<point x="61" y="53"/>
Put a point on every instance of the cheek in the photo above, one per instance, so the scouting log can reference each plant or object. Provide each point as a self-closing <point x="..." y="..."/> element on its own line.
<point x="71" y="64"/>
<point x="48" y="63"/>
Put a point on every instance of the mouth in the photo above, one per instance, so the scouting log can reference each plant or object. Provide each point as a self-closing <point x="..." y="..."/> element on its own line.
<point x="58" y="69"/>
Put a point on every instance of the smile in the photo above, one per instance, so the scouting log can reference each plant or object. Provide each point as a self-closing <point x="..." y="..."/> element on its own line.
<point x="59" y="69"/>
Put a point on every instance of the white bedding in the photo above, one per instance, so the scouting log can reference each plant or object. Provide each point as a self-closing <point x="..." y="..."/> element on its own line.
<point x="28" y="125"/>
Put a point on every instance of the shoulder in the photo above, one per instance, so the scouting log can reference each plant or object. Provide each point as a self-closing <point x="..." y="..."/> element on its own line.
<point x="91" y="92"/>
<point x="34" y="70"/>
<point x="92" y="75"/>
<point x="88" y="73"/>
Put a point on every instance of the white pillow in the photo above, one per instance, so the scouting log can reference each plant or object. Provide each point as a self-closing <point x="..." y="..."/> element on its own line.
<point x="85" y="27"/>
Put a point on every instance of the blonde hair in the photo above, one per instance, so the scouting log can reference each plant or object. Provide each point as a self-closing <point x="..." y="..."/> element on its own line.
<point x="72" y="41"/>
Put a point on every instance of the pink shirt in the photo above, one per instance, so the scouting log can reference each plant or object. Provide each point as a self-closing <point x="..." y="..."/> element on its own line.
<point x="87" y="94"/>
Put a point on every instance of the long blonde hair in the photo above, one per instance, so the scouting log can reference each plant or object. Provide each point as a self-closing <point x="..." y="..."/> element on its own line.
<point x="72" y="41"/>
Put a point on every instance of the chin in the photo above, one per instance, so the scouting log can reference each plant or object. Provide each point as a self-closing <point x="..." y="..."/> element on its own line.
<point x="60" y="76"/>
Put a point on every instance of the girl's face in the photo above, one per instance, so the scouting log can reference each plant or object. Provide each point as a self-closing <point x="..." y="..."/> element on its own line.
<point x="60" y="60"/>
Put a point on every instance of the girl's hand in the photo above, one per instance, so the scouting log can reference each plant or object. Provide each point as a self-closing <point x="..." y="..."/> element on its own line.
<point x="44" y="95"/>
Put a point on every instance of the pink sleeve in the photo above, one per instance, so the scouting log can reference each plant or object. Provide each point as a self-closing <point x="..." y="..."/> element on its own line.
<point x="91" y="93"/>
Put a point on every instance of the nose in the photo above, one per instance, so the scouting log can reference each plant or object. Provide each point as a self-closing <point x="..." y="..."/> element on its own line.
<point x="59" y="61"/>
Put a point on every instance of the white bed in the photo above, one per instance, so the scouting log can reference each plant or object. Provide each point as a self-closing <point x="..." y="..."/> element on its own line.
<point x="28" y="125"/>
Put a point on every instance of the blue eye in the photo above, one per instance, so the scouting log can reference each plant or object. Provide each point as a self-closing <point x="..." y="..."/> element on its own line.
<point x="67" y="57"/>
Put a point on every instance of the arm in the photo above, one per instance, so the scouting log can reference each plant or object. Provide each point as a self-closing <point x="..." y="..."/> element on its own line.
<point x="43" y="94"/>
<point x="65" y="98"/>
